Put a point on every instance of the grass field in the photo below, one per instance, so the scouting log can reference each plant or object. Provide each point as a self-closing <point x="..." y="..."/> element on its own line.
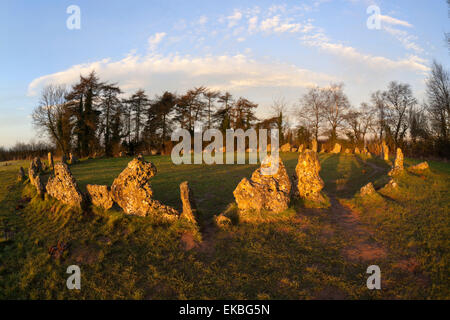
<point x="303" y="253"/>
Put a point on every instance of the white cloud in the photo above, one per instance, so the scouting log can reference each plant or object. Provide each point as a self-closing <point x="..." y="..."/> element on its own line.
<point x="154" y="40"/>
<point x="176" y="72"/>
<point x="407" y="40"/>
<point x="253" y="24"/>
<point x="377" y="63"/>
<point x="202" y="20"/>
<point x="234" y="19"/>
<point x="394" y="21"/>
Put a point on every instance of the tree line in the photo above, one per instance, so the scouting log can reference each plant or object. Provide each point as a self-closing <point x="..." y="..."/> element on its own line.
<point x="393" y="115"/>
<point x="95" y="117"/>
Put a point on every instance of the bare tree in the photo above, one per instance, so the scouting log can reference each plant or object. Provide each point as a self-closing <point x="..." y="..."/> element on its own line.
<point x="335" y="108"/>
<point x="438" y="99"/>
<point x="279" y="107"/>
<point x="379" y="109"/>
<point x="399" y="101"/>
<point x="52" y="116"/>
<point x="311" y="109"/>
<point x="210" y="96"/>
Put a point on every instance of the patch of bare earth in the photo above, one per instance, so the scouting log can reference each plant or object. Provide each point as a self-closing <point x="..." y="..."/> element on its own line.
<point x="362" y="247"/>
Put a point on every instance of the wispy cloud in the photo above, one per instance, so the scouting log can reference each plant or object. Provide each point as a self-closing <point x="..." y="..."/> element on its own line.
<point x="393" y="21"/>
<point x="155" y="39"/>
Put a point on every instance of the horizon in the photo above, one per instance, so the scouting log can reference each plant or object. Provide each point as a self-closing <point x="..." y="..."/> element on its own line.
<point x="261" y="50"/>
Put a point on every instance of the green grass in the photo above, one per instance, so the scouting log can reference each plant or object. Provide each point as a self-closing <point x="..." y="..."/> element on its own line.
<point x="295" y="255"/>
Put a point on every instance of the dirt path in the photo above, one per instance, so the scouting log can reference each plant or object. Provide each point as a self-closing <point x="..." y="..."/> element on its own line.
<point x="362" y="246"/>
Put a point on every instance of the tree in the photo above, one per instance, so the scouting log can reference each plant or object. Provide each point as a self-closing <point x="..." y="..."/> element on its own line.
<point x="379" y="109"/>
<point x="52" y="117"/>
<point x="438" y="100"/>
<point x="138" y="102"/>
<point x="399" y="101"/>
<point x="210" y="97"/>
<point x="84" y="97"/>
<point x="279" y="108"/>
<point x="159" y="120"/>
<point x="243" y="114"/>
<point x="311" y="109"/>
<point x="223" y="114"/>
<point x="109" y="105"/>
<point x="190" y="108"/>
<point x="335" y="109"/>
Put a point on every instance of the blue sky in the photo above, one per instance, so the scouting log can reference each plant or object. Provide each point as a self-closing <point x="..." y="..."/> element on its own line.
<point x="263" y="50"/>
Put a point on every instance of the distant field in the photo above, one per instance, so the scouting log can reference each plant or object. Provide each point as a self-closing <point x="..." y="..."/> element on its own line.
<point x="303" y="253"/>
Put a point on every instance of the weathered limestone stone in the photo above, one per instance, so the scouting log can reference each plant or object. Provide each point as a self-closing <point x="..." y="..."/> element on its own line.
<point x="100" y="196"/>
<point x="285" y="147"/>
<point x="36" y="164"/>
<point x="337" y="148"/>
<point x="314" y="145"/>
<point x="222" y="221"/>
<point x="50" y="161"/>
<point x="64" y="187"/>
<point x="308" y="182"/>
<point x="73" y="159"/>
<point x="399" y="159"/>
<point x="34" y="175"/>
<point x="131" y="190"/>
<point x="267" y="191"/>
<point x="385" y="151"/>
<point x="21" y="175"/>
<point x="368" y="189"/>
<point x="187" y="198"/>
<point x="398" y="164"/>
<point x="420" y="167"/>
<point x="357" y="150"/>
<point x="392" y="184"/>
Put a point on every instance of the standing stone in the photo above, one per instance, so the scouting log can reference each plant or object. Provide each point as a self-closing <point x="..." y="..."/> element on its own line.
<point x="368" y="189"/>
<point x="308" y="182"/>
<point x="37" y="164"/>
<point x="398" y="164"/>
<point x="357" y="150"/>
<point x="269" y="192"/>
<point x="73" y="159"/>
<point x="314" y="145"/>
<point x="64" y="187"/>
<point x="337" y="148"/>
<point x="132" y="191"/>
<point x="420" y="167"/>
<point x="285" y="147"/>
<point x="34" y="175"/>
<point x="100" y="196"/>
<point x="187" y="198"/>
<point x="21" y="175"/>
<point x="50" y="161"/>
<point x="399" y="159"/>
<point x="385" y="151"/>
